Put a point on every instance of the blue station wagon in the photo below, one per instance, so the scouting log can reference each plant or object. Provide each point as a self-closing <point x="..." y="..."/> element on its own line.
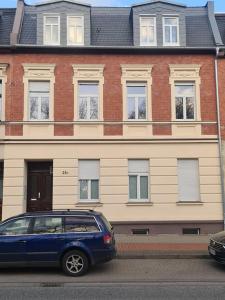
<point x="74" y="240"/>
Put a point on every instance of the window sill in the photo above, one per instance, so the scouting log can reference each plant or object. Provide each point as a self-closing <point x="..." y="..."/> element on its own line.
<point x="190" y="203"/>
<point x="139" y="204"/>
<point x="90" y="203"/>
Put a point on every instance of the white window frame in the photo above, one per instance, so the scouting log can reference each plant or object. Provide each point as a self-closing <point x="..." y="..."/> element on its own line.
<point x="3" y="78"/>
<point x="136" y="96"/>
<point x="184" y="97"/>
<point x="139" y="175"/>
<point x="154" y="43"/>
<point x="89" y="199"/>
<point x="164" y="31"/>
<point x="1" y="101"/>
<point x="76" y="44"/>
<point x="39" y="96"/>
<point x="88" y="96"/>
<point x="44" y="38"/>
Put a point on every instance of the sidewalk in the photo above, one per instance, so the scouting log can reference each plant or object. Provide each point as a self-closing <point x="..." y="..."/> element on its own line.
<point x="162" y="246"/>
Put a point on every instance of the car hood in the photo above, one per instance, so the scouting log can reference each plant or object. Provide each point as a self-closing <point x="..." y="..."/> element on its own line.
<point x="219" y="237"/>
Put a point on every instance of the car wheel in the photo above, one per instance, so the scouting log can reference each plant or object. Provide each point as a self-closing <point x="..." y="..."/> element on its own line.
<point x="75" y="263"/>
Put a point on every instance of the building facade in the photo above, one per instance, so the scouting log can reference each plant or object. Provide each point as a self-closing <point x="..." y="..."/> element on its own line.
<point x="113" y="109"/>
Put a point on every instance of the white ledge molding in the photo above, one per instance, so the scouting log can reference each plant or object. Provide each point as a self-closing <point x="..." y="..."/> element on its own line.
<point x="88" y="73"/>
<point x="38" y="72"/>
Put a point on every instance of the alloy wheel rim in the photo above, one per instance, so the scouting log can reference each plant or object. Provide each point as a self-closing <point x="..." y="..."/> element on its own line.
<point x="74" y="263"/>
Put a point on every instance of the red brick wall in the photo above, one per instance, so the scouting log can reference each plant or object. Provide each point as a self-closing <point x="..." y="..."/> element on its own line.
<point x="64" y="94"/>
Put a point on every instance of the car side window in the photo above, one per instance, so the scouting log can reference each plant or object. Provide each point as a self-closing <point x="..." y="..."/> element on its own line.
<point x="81" y="224"/>
<point x="44" y="225"/>
<point x="15" y="227"/>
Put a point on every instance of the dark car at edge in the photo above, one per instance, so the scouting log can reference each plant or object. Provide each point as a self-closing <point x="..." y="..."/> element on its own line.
<point x="216" y="247"/>
<point x="74" y="240"/>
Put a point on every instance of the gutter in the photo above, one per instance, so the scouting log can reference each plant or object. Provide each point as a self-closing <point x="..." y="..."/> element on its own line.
<point x="221" y="157"/>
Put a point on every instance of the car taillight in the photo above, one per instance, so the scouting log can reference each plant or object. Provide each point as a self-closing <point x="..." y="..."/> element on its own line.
<point x="107" y="239"/>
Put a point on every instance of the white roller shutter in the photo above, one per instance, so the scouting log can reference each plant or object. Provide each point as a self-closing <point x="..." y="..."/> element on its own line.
<point x="39" y="86"/>
<point x="188" y="180"/>
<point x="88" y="169"/>
<point x="138" y="166"/>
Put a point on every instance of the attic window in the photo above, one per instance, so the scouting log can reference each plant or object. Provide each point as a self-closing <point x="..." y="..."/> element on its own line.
<point x="148" y="31"/>
<point x="171" y="31"/>
<point x="75" y="30"/>
<point x="52" y="30"/>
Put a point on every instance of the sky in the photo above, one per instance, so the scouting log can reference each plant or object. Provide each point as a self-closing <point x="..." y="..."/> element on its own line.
<point x="219" y="4"/>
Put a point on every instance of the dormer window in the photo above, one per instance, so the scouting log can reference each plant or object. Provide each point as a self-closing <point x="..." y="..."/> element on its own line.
<point x="148" y="31"/>
<point x="75" y="30"/>
<point x="171" y="31"/>
<point x="51" y="30"/>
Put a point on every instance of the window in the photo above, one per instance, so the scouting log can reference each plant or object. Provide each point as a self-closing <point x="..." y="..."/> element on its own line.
<point x="89" y="180"/>
<point x="185" y="101"/>
<point x="15" y="227"/>
<point x="39" y="100"/>
<point x="136" y="101"/>
<point x="75" y="30"/>
<point x="148" y="31"/>
<point x="80" y="224"/>
<point x="45" y="225"/>
<point x="88" y="94"/>
<point x="171" y="31"/>
<point x="1" y="102"/>
<point x="1" y="180"/>
<point x="52" y="30"/>
<point x="138" y="179"/>
<point x="188" y="180"/>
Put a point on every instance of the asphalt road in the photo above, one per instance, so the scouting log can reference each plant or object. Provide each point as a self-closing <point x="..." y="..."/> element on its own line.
<point x="120" y="279"/>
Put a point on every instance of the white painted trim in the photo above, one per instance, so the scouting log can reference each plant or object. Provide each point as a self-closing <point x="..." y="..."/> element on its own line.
<point x="3" y="78"/>
<point x="155" y="30"/>
<point x="83" y="24"/>
<point x="164" y="33"/>
<point x="44" y="26"/>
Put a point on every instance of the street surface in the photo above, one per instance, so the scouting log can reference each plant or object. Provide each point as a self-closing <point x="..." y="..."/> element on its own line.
<point x="120" y="279"/>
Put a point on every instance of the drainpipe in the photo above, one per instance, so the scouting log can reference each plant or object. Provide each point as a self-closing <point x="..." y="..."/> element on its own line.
<point x="219" y="134"/>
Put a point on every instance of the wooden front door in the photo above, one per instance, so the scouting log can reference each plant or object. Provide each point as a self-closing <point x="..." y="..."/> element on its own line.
<point x="39" y="186"/>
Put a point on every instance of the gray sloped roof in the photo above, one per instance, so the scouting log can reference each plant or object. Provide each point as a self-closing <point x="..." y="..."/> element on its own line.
<point x="220" y="19"/>
<point x="6" y="25"/>
<point x="198" y="31"/>
<point x="29" y="29"/>
<point x="111" y="27"/>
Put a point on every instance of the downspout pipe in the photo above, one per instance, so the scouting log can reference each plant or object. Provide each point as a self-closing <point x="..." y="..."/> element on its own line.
<point x="219" y="134"/>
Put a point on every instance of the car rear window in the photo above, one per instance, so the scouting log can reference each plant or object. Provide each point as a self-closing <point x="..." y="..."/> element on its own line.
<point x="81" y="224"/>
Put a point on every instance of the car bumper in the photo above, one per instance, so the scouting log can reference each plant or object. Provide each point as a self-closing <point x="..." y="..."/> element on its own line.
<point x="219" y="256"/>
<point x="102" y="256"/>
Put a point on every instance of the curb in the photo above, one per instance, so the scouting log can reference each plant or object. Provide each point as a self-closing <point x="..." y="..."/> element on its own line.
<point x="162" y="256"/>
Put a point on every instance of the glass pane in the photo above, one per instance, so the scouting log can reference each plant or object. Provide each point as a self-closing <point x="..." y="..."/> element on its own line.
<point x="52" y="20"/>
<point x="141" y="108"/>
<point x="45" y="225"/>
<point x="94" y="108"/>
<point x="179" y="108"/>
<point x="144" y="187"/>
<point x="0" y="88"/>
<point x="167" y="34"/>
<point x="80" y="224"/>
<point x="88" y="89"/>
<point x="131" y="108"/>
<point x="174" y="34"/>
<point x="83" y="108"/>
<point x="144" y="35"/>
<point x="94" y="189"/>
<point x="132" y="187"/>
<point x="79" y="39"/>
<point x="55" y="34"/>
<point x="170" y="21"/>
<point x="136" y="90"/>
<point x="147" y="21"/>
<point x="72" y="38"/>
<point x="33" y="108"/>
<point x="151" y="36"/>
<point x="75" y="21"/>
<point x="16" y="227"/>
<point x="83" y="189"/>
<point x="190" y="108"/>
<point x="44" y="108"/>
<point x="48" y="33"/>
<point x="182" y="90"/>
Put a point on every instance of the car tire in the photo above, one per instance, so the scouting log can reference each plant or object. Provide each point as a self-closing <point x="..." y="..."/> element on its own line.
<point x="75" y="263"/>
